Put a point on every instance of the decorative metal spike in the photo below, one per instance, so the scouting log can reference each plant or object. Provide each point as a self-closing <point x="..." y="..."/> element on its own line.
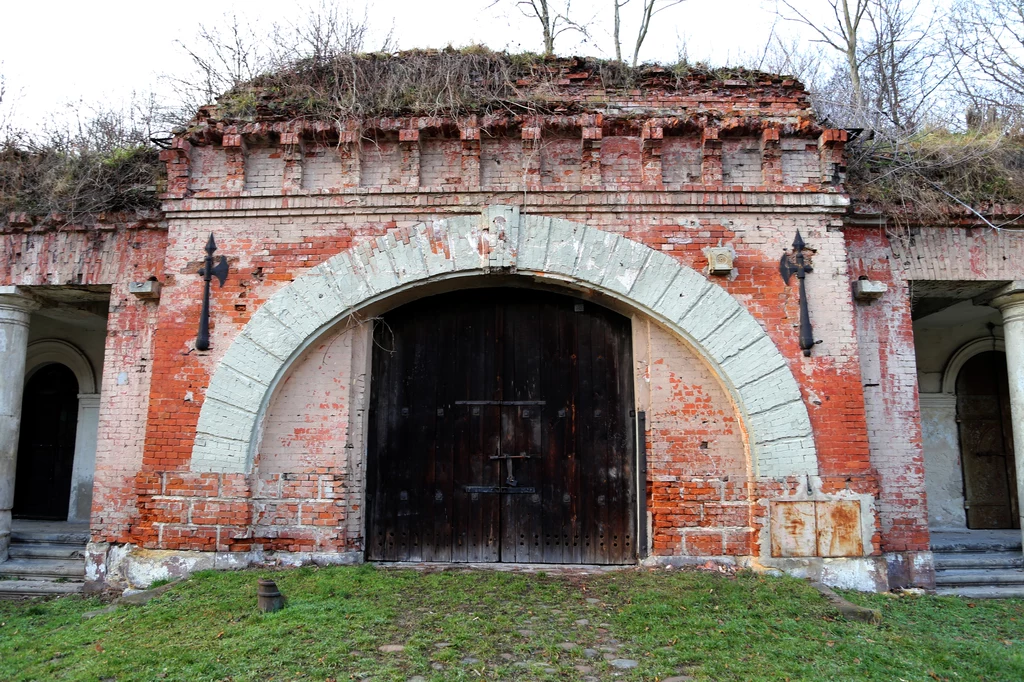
<point x="798" y="243"/>
<point x="208" y="272"/>
<point x="794" y="264"/>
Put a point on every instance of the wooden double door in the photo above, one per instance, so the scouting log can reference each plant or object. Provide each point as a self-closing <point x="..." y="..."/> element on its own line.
<point x="501" y="429"/>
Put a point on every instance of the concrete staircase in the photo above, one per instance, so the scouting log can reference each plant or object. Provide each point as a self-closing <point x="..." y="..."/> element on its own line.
<point x="46" y="559"/>
<point x="979" y="564"/>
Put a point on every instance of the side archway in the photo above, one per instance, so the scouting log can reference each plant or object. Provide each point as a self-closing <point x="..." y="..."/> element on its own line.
<point x="501" y="241"/>
<point x="965" y="353"/>
<point x="47" y="351"/>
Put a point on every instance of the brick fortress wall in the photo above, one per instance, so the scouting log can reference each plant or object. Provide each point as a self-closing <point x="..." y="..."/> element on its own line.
<point x="701" y="164"/>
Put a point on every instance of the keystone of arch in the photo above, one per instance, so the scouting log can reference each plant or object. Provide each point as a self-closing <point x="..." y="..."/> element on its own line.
<point x="500" y="240"/>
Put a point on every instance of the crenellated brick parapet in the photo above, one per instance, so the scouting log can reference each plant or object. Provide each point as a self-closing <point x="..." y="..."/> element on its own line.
<point x="595" y="151"/>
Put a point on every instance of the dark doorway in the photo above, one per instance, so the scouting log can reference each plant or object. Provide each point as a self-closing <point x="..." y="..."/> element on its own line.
<point x="46" y="447"/>
<point x="501" y="429"/>
<point x="986" y="442"/>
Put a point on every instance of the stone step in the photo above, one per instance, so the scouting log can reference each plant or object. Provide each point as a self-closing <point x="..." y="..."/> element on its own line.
<point x="32" y="569"/>
<point x="979" y="577"/>
<point x="976" y="542"/>
<point x="960" y="560"/>
<point x="24" y="589"/>
<point x="984" y="592"/>
<point x="60" y="537"/>
<point x="46" y="550"/>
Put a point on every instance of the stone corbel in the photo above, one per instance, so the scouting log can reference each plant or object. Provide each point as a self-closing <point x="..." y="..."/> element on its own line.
<point x="832" y="151"/>
<point x="294" y="147"/>
<point x="590" y="159"/>
<point x="531" y="157"/>
<point x="651" y="138"/>
<point x="469" y="134"/>
<point x="771" y="157"/>
<point x="235" y="150"/>
<point x="409" y="147"/>
<point x="711" y="157"/>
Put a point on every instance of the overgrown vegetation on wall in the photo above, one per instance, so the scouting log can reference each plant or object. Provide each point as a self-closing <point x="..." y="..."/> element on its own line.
<point x="70" y="184"/>
<point x="444" y="82"/>
<point x="936" y="174"/>
<point x="106" y="164"/>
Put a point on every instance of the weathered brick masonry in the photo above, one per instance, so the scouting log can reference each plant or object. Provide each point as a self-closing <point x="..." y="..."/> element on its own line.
<point x="671" y="168"/>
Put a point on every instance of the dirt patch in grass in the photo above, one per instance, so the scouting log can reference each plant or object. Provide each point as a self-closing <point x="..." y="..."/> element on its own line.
<point x="471" y="625"/>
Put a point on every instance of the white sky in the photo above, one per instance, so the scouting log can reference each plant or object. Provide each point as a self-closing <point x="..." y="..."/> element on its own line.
<point x="54" y="52"/>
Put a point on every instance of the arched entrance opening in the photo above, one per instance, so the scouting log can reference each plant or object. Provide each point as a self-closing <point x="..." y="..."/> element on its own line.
<point x="986" y="442"/>
<point x="501" y="429"/>
<point x="46" y="446"/>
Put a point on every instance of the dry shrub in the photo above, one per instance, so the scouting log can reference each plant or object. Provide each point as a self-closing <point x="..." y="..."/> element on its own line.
<point x="73" y="184"/>
<point x="925" y="176"/>
<point x="445" y="82"/>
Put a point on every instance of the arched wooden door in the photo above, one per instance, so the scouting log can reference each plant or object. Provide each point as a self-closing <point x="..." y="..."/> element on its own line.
<point x="986" y="442"/>
<point x="46" y="446"/>
<point x="501" y="429"/>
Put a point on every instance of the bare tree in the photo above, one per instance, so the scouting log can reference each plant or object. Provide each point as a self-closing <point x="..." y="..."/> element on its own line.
<point x="842" y="35"/>
<point x="555" y="18"/>
<point x="985" y="40"/>
<point x="234" y="52"/>
<point x="650" y="8"/>
<point x="903" y="65"/>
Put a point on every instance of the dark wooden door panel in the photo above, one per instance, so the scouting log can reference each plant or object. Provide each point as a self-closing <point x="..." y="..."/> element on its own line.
<point x="986" y="442"/>
<point x="46" y="445"/>
<point x="501" y="430"/>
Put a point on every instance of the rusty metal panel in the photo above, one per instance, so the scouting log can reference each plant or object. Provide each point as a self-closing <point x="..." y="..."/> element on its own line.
<point x="838" y="528"/>
<point x="792" y="529"/>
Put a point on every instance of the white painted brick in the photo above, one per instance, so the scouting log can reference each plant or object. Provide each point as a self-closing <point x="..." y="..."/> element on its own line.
<point x="319" y="296"/>
<point x="770" y="391"/>
<point x="783" y="421"/>
<point x="741" y="331"/>
<point x="625" y="265"/>
<point x="212" y="453"/>
<point x="708" y="312"/>
<point x="231" y="387"/>
<point x="565" y="242"/>
<point x="786" y="457"/>
<point x="246" y="357"/>
<point x="752" y="363"/>
<point x="533" y="242"/>
<point x="227" y="421"/>
<point x="685" y="291"/>
<point x="408" y="262"/>
<point x="595" y="253"/>
<point x="654" y="279"/>
<point x="436" y="263"/>
<point x="464" y="243"/>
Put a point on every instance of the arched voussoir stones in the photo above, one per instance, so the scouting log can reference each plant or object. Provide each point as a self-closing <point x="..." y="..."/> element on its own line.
<point x="500" y="240"/>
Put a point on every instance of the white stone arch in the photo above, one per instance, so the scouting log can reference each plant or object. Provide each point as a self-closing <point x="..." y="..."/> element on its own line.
<point x="48" y="351"/>
<point x="965" y="353"/>
<point x="501" y="241"/>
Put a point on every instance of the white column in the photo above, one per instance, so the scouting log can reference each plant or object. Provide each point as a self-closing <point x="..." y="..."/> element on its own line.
<point x="1011" y="304"/>
<point x="84" y="467"/>
<point x="16" y="307"/>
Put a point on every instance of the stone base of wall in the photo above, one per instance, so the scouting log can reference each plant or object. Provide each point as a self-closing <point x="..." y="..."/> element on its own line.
<point x="910" y="569"/>
<point x="111" y="566"/>
<point x="865" y="574"/>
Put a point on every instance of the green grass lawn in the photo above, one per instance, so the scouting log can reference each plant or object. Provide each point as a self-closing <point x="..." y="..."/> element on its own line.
<point x="490" y="625"/>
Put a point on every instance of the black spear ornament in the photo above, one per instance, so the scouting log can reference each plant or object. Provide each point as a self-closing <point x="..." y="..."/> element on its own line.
<point x="208" y="272"/>
<point x="790" y="264"/>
